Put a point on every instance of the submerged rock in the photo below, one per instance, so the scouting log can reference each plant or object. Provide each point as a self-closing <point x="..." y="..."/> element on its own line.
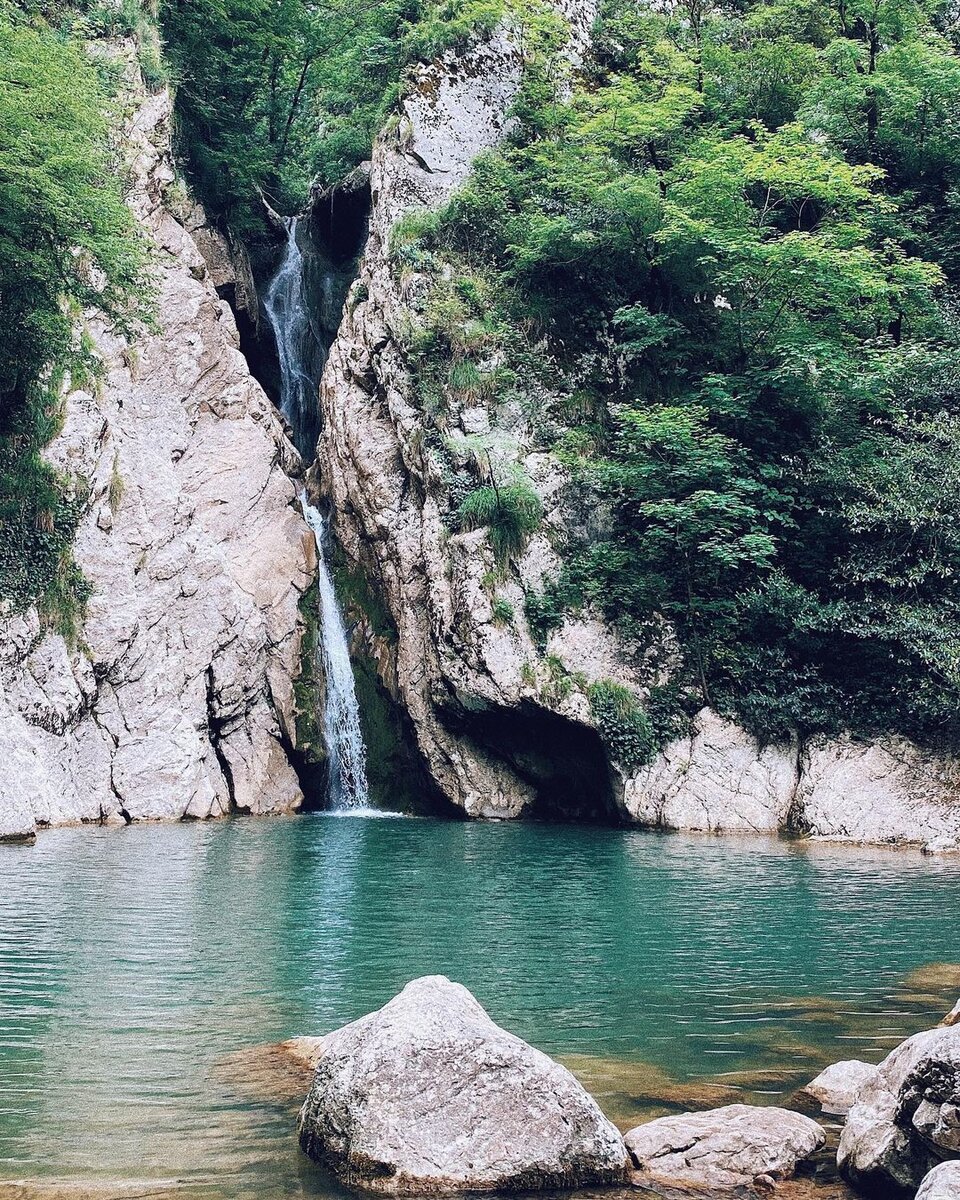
<point x="280" y="1072"/>
<point x="836" y="1089"/>
<point x="429" y="1095"/>
<point x="726" y="1148"/>
<point x="942" y="1183"/>
<point x="908" y="1118"/>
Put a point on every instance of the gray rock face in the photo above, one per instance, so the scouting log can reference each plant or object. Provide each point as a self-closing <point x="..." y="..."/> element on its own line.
<point x="725" y="1148"/>
<point x="908" y="1118"/>
<point x="836" y="1089"/>
<point x="942" y="1183"/>
<point x="16" y="817"/>
<point x="716" y="780"/>
<point x="451" y="664"/>
<point x="884" y="791"/>
<point x="429" y="1095"/>
<point x="180" y="701"/>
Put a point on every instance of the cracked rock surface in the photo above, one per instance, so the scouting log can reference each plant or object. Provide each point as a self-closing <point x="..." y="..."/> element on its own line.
<point x="428" y="1095"/>
<point x="726" y="1148"/>
<point x="908" y="1118"/>
<point x="178" y="700"/>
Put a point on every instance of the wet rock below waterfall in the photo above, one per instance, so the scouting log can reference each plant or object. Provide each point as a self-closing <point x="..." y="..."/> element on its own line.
<point x="908" y="1118"/>
<point x="726" y="1148"/>
<point x="429" y="1095"/>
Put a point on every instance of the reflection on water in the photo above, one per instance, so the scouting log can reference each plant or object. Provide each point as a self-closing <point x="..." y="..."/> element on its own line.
<point x="137" y="965"/>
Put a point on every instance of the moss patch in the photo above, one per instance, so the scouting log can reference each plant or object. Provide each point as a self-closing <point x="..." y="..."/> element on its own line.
<point x="308" y="686"/>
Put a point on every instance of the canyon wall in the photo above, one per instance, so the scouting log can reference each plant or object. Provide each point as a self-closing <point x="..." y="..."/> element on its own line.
<point x="177" y="700"/>
<point x="505" y="727"/>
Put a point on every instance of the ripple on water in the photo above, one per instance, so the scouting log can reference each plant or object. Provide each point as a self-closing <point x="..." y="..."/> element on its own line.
<point x="138" y="967"/>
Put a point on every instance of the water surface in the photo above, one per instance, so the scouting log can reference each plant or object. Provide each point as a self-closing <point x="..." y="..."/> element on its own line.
<point x="139" y="966"/>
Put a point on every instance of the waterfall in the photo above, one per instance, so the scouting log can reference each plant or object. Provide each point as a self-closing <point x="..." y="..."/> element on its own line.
<point x="341" y="717"/>
<point x="286" y="310"/>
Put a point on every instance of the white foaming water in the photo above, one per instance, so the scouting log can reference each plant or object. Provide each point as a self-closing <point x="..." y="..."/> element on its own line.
<point x="289" y="319"/>
<point x="347" y="786"/>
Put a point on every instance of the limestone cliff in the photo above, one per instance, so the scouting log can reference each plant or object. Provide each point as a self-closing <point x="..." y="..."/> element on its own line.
<point x="505" y="729"/>
<point x="178" y="699"/>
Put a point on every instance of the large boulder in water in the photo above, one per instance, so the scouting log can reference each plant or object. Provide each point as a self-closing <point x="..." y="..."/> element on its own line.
<point x="724" y="1149"/>
<point x="429" y="1095"/>
<point x="908" y="1118"/>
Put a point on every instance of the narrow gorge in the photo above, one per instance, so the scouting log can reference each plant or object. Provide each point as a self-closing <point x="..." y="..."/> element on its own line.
<point x="485" y="713"/>
<point x="536" y="422"/>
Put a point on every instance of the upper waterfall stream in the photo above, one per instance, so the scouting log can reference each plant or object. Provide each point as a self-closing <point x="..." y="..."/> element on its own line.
<point x="287" y="311"/>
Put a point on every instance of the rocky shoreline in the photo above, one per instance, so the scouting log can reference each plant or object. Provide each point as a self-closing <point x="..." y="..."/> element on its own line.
<point x="428" y="1096"/>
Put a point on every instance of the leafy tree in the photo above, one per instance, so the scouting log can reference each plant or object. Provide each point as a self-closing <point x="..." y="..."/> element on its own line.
<point x="728" y="252"/>
<point x="67" y="242"/>
<point x="270" y="92"/>
<point x="694" y="530"/>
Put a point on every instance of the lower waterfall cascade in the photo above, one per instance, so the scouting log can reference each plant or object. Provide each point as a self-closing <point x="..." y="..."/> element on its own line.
<point x="347" y="774"/>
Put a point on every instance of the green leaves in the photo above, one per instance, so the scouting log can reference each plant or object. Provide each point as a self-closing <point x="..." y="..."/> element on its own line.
<point x="725" y="256"/>
<point x="272" y="94"/>
<point x="67" y="241"/>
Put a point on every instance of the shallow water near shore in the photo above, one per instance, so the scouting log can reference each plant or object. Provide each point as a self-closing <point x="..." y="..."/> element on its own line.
<point x="140" y="967"/>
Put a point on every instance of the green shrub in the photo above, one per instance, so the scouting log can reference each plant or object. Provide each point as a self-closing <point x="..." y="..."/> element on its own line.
<point x="511" y="515"/>
<point x="624" y="725"/>
<point x="503" y="613"/>
<point x="465" y="380"/>
<point x="452" y="25"/>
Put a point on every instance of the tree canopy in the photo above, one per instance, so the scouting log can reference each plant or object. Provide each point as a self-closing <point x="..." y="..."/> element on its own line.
<point x="67" y="242"/>
<point x="728" y="256"/>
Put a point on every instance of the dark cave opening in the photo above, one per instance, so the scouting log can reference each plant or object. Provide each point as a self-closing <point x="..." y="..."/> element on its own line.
<point x="565" y="762"/>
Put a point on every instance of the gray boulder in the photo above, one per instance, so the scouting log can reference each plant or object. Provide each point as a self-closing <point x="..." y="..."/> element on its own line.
<point x="429" y="1095"/>
<point x="908" y="1118"/>
<point x="836" y="1089"/>
<point x="942" y="1183"/>
<point x="725" y="1148"/>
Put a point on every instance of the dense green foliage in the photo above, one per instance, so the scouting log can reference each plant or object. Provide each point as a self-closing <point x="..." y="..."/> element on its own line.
<point x="66" y="242"/>
<point x="273" y="92"/>
<point x="715" y="280"/>
<point x="273" y="95"/>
